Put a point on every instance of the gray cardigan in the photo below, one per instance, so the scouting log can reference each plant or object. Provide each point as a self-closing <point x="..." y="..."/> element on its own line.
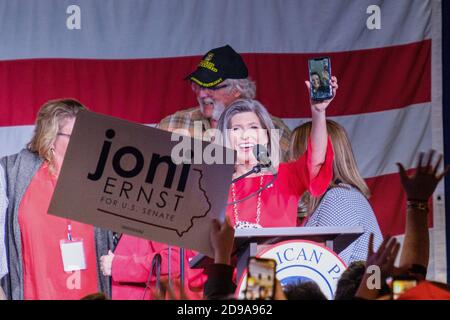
<point x="3" y="206"/>
<point x="19" y="169"/>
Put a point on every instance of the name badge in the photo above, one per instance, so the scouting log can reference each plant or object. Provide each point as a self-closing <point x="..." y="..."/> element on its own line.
<point x="72" y="253"/>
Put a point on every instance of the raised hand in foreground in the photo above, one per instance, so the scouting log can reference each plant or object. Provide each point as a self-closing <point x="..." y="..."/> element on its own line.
<point x="421" y="185"/>
<point x="381" y="264"/>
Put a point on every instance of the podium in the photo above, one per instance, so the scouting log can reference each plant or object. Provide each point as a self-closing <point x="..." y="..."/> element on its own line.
<point x="248" y="242"/>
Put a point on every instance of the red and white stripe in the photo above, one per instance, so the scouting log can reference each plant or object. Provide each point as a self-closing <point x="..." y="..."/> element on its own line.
<point x="129" y="60"/>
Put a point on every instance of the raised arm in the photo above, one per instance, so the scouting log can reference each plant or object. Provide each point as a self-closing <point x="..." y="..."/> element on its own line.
<point x="419" y="188"/>
<point x="383" y="259"/>
<point x="319" y="129"/>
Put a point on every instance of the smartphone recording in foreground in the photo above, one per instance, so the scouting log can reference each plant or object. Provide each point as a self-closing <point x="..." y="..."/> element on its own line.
<point x="260" y="279"/>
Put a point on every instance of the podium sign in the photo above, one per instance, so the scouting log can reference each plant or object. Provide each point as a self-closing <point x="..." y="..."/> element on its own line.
<point x="300" y="261"/>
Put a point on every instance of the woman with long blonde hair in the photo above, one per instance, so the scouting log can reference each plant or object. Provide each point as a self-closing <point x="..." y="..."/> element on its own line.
<point x="346" y="201"/>
<point x="35" y="239"/>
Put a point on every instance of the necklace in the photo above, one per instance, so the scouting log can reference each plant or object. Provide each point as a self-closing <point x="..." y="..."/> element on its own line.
<point x="245" y="224"/>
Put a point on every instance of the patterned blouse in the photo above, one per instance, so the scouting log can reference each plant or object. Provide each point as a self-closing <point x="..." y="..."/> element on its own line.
<point x="345" y="205"/>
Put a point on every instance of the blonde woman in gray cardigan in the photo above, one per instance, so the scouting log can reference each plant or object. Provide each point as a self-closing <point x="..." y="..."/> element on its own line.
<point x="33" y="237"/>
<point x="3" y="206"/>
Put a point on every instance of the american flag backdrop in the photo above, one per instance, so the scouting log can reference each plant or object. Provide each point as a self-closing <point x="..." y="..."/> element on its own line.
<point x="128" y="59"/>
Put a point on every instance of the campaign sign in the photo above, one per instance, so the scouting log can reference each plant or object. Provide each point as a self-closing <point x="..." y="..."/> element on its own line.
<point x="300" y="261"/>
<point x="121" y="176"/>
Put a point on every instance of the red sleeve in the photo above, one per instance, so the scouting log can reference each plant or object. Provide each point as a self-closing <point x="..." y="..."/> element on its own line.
<point x="319" y="184"/>
<point x="137" y="268"/>
<point x="298" y="172"/>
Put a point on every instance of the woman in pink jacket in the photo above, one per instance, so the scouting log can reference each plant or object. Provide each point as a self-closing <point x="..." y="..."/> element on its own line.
<point x="131" y="264"/>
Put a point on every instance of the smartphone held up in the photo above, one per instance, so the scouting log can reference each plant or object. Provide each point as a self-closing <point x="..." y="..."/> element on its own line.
<point x="320" y="78"/>
<point x="260" y="279"/>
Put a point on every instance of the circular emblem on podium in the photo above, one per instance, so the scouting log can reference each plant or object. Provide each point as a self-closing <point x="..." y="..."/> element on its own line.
<point x="301" y="261"/>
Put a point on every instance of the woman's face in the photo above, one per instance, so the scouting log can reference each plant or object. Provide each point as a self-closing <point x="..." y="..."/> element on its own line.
<point x="63" y="137"/>
<point x="315" y="81"/>
<point x="245" y="132"/>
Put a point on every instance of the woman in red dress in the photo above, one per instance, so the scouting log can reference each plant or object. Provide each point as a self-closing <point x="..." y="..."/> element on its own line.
<point x="245" y="124"/>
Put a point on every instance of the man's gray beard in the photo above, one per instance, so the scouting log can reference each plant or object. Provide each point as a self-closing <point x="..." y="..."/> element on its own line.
<point x="218" y="108"/>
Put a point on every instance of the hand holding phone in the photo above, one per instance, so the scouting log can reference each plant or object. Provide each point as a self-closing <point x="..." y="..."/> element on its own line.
<point x="260" y="279"/>
<point x="320" y="78"/>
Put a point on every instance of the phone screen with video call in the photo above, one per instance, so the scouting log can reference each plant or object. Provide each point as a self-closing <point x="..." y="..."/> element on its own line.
<point x="260" y="279"/>
<point x="319" y="78"/>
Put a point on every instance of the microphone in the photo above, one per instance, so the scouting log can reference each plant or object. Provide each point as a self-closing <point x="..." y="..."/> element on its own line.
<point x="261" y="154"/>
<point x="255" y="169"/>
